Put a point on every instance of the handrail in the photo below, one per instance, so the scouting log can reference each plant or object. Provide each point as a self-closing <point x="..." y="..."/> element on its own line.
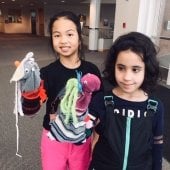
<point x="105" y="33"/>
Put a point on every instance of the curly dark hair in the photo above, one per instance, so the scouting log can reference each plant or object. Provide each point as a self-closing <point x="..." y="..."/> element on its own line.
<point x="142" y="46"/>
<point x="75" y="19"/>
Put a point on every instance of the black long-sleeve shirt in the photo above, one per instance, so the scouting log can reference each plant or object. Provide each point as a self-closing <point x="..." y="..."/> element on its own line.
<point x="55" y="76"/>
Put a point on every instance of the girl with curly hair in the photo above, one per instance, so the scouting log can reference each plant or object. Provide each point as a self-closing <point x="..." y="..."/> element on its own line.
<point x="131" y="129"/>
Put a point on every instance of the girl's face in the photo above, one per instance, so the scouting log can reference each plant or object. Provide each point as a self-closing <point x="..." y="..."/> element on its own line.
<point x="65" y="38"/>
<point x="129" y="71"/>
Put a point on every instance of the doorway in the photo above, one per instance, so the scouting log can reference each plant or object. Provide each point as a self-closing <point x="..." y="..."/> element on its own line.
<point x="41" y="21"/>
<point x="1" y="23"/>
<point x="33" y="22"/>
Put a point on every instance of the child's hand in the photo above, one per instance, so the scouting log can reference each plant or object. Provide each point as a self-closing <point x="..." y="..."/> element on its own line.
<point x="90" y="121"/>
<point x="52" y="116"/>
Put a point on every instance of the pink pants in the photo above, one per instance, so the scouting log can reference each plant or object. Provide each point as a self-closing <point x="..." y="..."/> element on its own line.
<point x="64" y="156"/>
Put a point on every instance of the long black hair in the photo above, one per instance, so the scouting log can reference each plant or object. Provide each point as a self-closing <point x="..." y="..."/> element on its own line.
<point x="75" y="19"/>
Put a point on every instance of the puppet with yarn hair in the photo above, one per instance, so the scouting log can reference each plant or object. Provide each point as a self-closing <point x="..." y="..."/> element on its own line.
<point x="68" y="103"/>
<point x="75" y="103"/>
<point x="72" y="116"/>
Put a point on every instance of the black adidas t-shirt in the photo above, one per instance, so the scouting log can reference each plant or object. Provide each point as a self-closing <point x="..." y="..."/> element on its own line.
<point x="55" y="76"/>
<point x="111" y="147"/>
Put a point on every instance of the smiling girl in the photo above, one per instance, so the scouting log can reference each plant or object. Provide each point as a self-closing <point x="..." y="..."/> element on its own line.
<point x="62" y="152"/>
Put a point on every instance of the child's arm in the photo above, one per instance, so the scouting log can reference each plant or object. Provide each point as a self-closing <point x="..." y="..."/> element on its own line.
<point x="97" y="107"/>
<point x="157" y="153"/>
<point x="94" y="139"/>
<point x="157" y="150"/>
<point x="32" y="100"/>
<point x="95" y="136"/>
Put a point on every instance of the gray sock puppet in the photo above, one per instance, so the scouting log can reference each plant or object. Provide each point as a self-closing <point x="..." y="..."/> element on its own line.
<point x="27" y="79"/>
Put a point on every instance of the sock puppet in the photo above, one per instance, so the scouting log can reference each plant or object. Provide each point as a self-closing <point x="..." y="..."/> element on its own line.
<point x="28" y="89"/>
<point x="72" y="116"/>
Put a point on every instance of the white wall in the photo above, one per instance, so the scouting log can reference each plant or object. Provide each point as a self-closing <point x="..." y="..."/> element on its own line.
<point x="145" y="16"/>
<point x="126" y="12"/>
<point x="165" y="32"/>
<point x="23" y="27"/>
<point x="151" y="18"/>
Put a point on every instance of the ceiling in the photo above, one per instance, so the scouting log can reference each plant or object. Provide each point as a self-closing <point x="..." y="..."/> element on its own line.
<point x="22" y="3"/>
<point x="37" y="2"/>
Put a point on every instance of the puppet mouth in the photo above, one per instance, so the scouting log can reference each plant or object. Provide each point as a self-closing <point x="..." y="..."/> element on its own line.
<point x="80" y="111"/>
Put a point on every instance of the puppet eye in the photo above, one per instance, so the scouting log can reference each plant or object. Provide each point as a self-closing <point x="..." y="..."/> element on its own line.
<point x="26" y="70"/>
